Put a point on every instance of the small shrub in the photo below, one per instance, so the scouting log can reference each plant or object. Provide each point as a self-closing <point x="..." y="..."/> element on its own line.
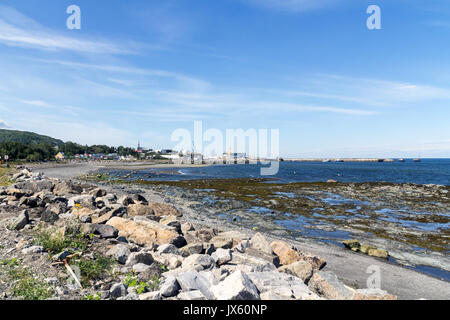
<point x="132" y="281"/>
<point x="93" y="269"/>
<point x="55" y="243"/>
<point x="92" y="297"/>
<point x="25" y="285"/>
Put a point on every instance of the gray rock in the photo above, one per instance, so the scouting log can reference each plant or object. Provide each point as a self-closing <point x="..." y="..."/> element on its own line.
<point x="300" y="269"/>
<point x="34" y="249"/>
<point x="126" y="200"/>
<point x="259" y="242"/>
<point x="192" y="280"/>
<point x="170" y="287"/>
<point x="237" y="286"/>
<point x="192" y="248"/>
<point x="155" y="295"/>
<point x="167" y="248"/>
<point x="140" y="267"/>
<point x="85" y="219"/>
<point x="281" y="282"/>
<point x="120" y="252"/>
<point x="256" y="260"/>
<point x="49" y="216"/>
<point x="131" y="296"/>
<point x="327" y="284"/>
<point x="198" y="262"/>
<point x="21" y="221"/>
<point x="86" y="201"/>
<point x="191" y="295"/>
<point x="118" y="290"/>
<point x="139" y="257"/>
<point x="105" y="231"/>
<point x="221" y="256"/>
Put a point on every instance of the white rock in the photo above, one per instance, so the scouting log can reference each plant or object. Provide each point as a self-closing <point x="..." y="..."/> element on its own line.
<point x="237" y="286"/>
<point x="191" y="295"/>
<point x="155" y="295"/>
<point x="221" y="256"/>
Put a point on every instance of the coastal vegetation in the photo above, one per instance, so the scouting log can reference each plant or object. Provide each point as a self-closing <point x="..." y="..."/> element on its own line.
<point x="30" y="146"/>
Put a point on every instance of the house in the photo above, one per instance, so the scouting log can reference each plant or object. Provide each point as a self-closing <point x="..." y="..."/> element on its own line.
<point x="60" y="156"/>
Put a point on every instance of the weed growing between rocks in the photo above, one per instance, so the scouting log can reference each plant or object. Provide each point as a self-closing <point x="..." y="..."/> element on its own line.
<point x="93" y="269"/>
<point x="6" y="176"/>
<point x="57" y="242"/>
<point x="25" y="285"/>
<point x="141" y="286"/>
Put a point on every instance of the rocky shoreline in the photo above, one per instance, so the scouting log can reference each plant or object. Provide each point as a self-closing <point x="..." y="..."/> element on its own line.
<point x="58" y="235"/>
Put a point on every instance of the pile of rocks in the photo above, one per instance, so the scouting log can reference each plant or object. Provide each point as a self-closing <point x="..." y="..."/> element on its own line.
<point x="148" y="239"/>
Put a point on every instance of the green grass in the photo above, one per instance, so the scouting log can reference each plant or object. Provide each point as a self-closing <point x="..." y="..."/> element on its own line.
<point x="55" y="243"/>
<point x="93" y="269"/>
<point x="92" y="297"/>
<point x="141" y="286"/>
<point x="5" y="176"/>
<point x="25" y="284"/>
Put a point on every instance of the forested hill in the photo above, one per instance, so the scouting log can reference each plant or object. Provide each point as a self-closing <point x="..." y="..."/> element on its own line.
<point x="27" y="138"/>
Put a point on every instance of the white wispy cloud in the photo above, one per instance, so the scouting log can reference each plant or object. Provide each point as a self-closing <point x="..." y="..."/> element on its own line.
<point x="42" y="104"/>
<point x="37" y="103"/>
<point x="294" y="5"/>
<point x="19" y="30"/>
<point x="3" y="125"/>
<point x="193" y="83"/>
<point x="366" y="91"/>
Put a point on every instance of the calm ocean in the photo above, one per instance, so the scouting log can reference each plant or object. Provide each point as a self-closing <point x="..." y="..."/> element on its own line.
<point x="428" y="171"/>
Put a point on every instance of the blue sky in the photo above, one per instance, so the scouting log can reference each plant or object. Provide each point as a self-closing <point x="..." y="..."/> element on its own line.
<point x="138" y="70"/>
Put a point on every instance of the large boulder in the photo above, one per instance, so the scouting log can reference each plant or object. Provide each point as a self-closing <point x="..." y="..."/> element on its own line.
<point x="83" y="201"/>
<point x="67" y="187"/>
<point x="192" y="248"/>
<point x="169" y="287"/>
<point x="164" y="209"/>
<point x="221" y="256"/>
<point x="36" y="186"/>
<point x="21" y="221"/>
<point x="192" y="280"/>
<point x="198" y="262"/>
<point x="146" y="232"/>
<point x="300" y="269"/>
<point x="255" y="260"/>
<point x="223" y="242"/>
<point x="237" y="286"/>
<point x="285" y="252"/>
<point x="103" y="230"/>
<point x="259" y="242"/>
<point x="372" y="294"/>
<point x="284" y="285"/>
<point x="327" y="284"/>
<point x="139" y="210"/>
<point x="139" y="257"/>
<point x="119" y="252"/>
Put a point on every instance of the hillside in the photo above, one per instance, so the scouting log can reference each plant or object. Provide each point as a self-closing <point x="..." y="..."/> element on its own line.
<point x="27" y="137"/>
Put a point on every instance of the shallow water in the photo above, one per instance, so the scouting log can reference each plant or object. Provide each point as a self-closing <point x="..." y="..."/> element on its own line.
<point x="428" y="171"/>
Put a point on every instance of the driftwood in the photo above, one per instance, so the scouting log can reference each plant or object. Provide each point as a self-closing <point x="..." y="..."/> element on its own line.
<point x="66" y="264"/>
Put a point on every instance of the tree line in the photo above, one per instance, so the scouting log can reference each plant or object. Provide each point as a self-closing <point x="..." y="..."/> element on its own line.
<point x="47" y="151"/>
